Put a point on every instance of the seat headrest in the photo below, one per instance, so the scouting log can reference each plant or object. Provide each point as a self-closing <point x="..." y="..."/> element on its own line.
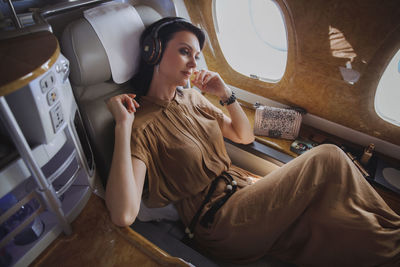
<point x="104" y="44"/>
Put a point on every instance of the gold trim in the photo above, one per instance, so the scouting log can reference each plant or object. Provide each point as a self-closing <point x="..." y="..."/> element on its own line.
<point x="150" y="249"/>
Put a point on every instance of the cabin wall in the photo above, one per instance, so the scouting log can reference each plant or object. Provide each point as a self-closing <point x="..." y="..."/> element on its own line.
<point x="323" y="35"/>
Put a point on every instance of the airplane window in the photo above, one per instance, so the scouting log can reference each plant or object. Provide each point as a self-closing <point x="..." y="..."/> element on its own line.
<point x="253" y="38"/>
<point x="388" y="94"/>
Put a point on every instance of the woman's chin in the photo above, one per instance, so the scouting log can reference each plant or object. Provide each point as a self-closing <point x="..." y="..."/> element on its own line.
<point x="183" y="82"/>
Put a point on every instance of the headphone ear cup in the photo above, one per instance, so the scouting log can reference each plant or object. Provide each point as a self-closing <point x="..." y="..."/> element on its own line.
<point x="151" y="50"/>
<point x="148" y="49"/>
<point x="152" y="47"/>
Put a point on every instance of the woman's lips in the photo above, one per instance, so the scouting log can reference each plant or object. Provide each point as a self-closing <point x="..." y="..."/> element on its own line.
<point x="187" y="73"/>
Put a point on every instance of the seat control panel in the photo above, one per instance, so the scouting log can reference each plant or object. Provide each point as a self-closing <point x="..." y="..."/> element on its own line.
<point x="42" y="107"/>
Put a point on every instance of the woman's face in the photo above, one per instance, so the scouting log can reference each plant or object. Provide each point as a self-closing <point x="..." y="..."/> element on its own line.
<point x="179" y="58"/>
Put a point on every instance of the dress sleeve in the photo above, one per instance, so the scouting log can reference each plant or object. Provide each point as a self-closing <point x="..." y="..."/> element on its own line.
<point x="204" y="104"/>
<point x="139" y="146"/>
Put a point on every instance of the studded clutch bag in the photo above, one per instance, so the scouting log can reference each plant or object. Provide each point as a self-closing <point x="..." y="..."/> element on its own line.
<point x="277" y="122"/>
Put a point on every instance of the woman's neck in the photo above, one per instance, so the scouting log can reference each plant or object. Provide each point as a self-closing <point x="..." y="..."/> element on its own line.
<point x="161" y="89"/>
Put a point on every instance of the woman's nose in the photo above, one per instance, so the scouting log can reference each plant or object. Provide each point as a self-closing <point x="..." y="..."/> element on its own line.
<point x="192" y="62"/>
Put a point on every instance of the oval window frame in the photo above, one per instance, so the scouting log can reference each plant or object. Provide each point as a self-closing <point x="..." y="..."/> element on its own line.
<point x="286" y="20"/>
<point x="392" y="60"/>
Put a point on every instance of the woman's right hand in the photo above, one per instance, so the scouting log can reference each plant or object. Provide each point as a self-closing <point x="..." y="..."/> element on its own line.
<point x="123" y="107"/>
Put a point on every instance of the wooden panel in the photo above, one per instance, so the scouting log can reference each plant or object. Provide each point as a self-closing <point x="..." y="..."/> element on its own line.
<point x="24" y="58"/>
<point x="323" y="36"/>
<point x="96" y="241"/>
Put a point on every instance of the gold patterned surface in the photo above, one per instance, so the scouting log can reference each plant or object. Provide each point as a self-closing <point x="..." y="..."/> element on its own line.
<point x="96" y="241"/>
<point x="24" y="58"/>
<point x="323" y="36"/>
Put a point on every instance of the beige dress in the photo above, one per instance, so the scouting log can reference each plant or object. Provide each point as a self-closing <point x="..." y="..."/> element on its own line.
<point x="316" y="210"/>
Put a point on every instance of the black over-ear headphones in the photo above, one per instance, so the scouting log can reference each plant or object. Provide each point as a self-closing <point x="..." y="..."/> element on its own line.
<point x="152" y="46"/>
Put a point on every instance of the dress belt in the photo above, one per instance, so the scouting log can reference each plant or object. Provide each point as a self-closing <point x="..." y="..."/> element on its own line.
<point x="208" y="217"/>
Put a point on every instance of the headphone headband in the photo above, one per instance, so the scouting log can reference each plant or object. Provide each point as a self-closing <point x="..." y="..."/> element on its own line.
<point x="155" y="30"/>
<point x="152" y="46"/>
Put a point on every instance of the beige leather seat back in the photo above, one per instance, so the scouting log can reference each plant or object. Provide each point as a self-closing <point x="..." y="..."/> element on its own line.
<point x="92" y="82"/>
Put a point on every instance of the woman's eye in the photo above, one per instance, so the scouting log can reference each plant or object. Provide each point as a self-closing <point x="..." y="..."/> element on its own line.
<point x="187" y="52"/>
<point x="184" y="51"/>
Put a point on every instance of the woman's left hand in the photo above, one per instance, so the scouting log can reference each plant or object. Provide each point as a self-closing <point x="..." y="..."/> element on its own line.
<point x="210" y="82"/>
<point x="236" y="127"/>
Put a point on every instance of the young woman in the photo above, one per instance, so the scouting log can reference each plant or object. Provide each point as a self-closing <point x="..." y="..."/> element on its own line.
<point x="169" y="147"/>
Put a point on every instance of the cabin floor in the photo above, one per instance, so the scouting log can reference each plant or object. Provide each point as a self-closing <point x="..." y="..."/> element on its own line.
<point x="97" y="241"/>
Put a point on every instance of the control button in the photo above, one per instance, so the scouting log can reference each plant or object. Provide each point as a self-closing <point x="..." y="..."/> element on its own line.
<point x="58" y="68"/>
<point x="52" y="96"/>
<point x="47" y="82"/>
<point x="57" y="117"/>
<point x="65" y="67"/>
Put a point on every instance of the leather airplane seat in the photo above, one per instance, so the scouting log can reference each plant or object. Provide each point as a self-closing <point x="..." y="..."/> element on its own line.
<point x="92" y="82"/>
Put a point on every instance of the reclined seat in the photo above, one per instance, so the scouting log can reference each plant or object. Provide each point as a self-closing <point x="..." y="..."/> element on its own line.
<point x="92" y="76"/>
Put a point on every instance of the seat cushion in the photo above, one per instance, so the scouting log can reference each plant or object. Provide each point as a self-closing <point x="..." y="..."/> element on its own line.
<point x="99" y="122"/>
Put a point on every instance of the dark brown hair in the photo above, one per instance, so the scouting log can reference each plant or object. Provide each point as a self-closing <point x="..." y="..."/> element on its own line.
<point x="141" y="81"/>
